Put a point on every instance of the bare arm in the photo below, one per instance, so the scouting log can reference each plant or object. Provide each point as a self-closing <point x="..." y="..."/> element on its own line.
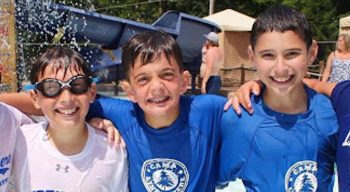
<point x="21" y="101"/>
<point x="208" y="70"/>
<point x="320" y="86"/>
<point x="328" y="69"/>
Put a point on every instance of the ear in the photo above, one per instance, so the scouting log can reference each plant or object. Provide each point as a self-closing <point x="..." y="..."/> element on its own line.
<point x="127" y="88"/>
<point x="313" y="51"/>
<point x="92" y="92"/>
<point x="250" y="53"/>
<point x="35" y="100"/>
<point x="186" y="77"/>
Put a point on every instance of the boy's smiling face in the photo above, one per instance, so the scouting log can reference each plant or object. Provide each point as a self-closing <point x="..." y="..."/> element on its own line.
<point x="66" y="110"/>
<point x="281" y="60"/>
<point x="156" y="87"/>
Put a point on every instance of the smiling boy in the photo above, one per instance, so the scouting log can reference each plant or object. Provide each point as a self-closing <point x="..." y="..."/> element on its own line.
<point x="171" y="139"/>
<point x="64" y="153"/>
<point x="289" y="143"/>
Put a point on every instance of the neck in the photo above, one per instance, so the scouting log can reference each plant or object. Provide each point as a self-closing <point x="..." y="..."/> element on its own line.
<point x="161" y="121"/>
<point x="69" y="141"/>
<point x="289" y="104"/>
<point x="343" y="51"/>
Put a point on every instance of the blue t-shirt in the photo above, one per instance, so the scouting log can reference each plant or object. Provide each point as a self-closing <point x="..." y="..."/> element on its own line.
<point x="341" y="102"/>
<point x="180" y="157"/>
<point x="272" y="151"/>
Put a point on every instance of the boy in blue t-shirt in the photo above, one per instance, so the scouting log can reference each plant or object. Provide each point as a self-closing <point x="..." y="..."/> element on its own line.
<point x="171" y="139"/>
<point x="289" y="143"/>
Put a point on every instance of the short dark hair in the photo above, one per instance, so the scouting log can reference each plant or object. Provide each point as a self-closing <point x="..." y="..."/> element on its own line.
<point x="281" y="18"/>
<point x="149" y="46"/>
<point x="64" y="58"/>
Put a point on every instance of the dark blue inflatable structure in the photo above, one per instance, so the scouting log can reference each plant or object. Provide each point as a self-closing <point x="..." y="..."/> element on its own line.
<point x="110" y="33"/>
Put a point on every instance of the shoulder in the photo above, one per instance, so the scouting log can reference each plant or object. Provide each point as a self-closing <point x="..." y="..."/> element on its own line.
<point x="245" y="125"/>
<point x="102" y="146"/>
<point x="331" y="55"/>
<point x="33" y="128"/>
<point x="324" y="112"/>
<point x="339" y="98"/>
<point x="12" y="116"/>
<point x="9" y="112"/>
<point x="29" y="134"/>
<point x="205" y="101"/>
<point x="108" y="107"/>
<point x="110" y="101"/>
<point x="341" y="90"/>
<point x="317" y="100"/>
<point x="320" y="104"/>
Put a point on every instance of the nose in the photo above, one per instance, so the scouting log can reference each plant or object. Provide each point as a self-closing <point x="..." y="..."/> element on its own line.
<point x="281" y="66"/>
<point x="65" y="96"/>
<point x="157" y="85"/>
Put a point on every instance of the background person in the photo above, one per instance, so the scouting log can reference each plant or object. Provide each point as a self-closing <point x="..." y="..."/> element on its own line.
<point x="338" y="62"/>
<point x="213" y="60"/>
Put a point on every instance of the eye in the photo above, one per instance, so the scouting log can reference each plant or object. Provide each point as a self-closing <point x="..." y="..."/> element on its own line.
<point x="51" y="87"/>
<point x="168" y="75"/>
<point x="268" y="56"/>
<point x="143" y="80"/>
<point x="292" y="54"/>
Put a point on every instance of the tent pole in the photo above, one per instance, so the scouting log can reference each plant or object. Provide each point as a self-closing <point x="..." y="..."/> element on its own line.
<point x="211" y="6"/>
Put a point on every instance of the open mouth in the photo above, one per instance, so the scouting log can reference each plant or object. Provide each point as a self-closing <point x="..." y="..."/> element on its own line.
<point x="158" y="100"/>
<point x="282" y="80"/>
<point x="67" y="111"/>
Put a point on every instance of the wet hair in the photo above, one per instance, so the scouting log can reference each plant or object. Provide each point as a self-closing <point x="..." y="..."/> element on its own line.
<point x="148" y="46"/>
<point x="59" y="58"/>
<point x="281" y="18"/>
<point x="346" y="38"/>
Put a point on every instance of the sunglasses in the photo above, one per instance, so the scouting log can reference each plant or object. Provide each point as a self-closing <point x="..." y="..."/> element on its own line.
<point x="52" y="87"/>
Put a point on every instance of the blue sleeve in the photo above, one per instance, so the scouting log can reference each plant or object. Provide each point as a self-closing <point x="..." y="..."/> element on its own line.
<point x="113" y="109"/>
<point x="236" y="137"/>
<point x="328" y="134"/>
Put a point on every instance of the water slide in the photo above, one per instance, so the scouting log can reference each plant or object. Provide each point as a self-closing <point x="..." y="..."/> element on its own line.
<point x="69" y="24"/>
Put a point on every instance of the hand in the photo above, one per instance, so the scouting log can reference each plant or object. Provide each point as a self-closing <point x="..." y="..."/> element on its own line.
<point x="312" y="83"/>
<point x="242" y="97"/>
<point x="112" y="132"/>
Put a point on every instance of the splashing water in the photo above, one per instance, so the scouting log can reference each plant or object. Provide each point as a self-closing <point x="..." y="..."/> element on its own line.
<point x="40" y="24"/>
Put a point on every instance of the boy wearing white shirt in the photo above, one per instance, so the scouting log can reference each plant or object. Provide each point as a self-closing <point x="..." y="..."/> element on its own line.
<point x="65" y="153"/>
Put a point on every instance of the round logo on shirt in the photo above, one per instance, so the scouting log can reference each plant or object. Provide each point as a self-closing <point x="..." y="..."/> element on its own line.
<point x="301" y="177"/>
<point x="164" y="175"/>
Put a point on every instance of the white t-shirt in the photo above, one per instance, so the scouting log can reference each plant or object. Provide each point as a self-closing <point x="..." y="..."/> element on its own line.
<point x="39" y="166"/>
<point x="10" y="120"/>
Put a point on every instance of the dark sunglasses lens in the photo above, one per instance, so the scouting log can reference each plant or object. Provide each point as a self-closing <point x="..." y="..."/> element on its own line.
<point x="80" y="85"/>
<point x="50" y="88"/>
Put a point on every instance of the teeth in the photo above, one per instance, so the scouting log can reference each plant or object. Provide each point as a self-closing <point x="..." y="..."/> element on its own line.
<point x="156" y="100"/>
<point x="281" y="79"/>
<point x="67" y="111"/>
